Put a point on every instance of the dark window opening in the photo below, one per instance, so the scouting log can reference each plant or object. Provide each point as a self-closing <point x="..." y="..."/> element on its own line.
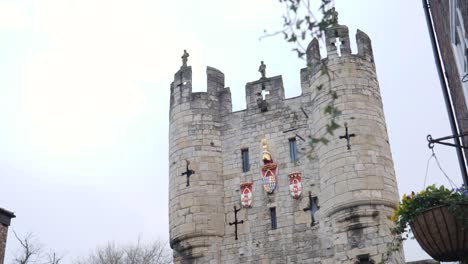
<point x="293" y="149"/>
<point x="314" y="209"/>
<point x="273" y="217"/>
<point x="364" y="259"/>
<point x="245" y="160"/>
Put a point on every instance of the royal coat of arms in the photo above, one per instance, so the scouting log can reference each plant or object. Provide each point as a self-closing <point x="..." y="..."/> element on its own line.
<point x="269" y="169"/>
<point x="246" y="194"/>
<point x="295" y="184"/>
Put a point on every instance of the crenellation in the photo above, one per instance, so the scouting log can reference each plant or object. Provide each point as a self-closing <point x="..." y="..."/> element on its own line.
<point x="313" y="54"/>
<point x="183" y="76"/>
<point x="335" y="37"/>
<point x="364" y="45"/>
<point x="270" y="90"/>
<point x="215" y="80"/>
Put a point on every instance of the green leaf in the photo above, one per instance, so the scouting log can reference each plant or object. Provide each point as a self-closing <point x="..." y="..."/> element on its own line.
<point x="298" y="23"/>
<point x="332" y="127"/>
<point x="315" y="140"/>
<point x="300" y="54"/>
<point x="293" y="8"/>
<point x="324" y="141"/>
<point x="324" y="70"/>
<point x="292" y="38"/>
<point x="334" y="95"/>
<point x="336" y="113"/>
<point x="312" y="25"/>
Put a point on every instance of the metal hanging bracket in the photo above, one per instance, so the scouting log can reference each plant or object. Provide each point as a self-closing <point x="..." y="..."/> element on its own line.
<point x="433" y="141"/>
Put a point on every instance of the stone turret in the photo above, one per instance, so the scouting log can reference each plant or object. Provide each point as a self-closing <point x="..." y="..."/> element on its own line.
<point x="196" y="204"/>
<point x="348" y="189"/>
<point x="358" y="185"/>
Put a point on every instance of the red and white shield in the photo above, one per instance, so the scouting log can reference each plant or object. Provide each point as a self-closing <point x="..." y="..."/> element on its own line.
<point x="295" y="185"/>
<point x="269" y="172"/>
<point x="246" y="194"/>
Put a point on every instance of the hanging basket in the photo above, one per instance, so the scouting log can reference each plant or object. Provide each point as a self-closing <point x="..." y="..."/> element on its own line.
<point x="443" y="235"/>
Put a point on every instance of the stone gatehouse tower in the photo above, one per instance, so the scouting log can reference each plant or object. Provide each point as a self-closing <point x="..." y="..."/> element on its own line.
<point x="333" y="208"/>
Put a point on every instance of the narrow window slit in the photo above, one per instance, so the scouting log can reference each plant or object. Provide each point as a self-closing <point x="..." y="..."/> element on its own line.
<point x="293" y="149"/>
<point x="273" y="217"/>
<point x="245" y="160"/>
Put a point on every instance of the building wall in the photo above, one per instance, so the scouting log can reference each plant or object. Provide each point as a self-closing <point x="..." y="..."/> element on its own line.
<point x="356" y="188"/>
<point x="5" y="219"/>
<point x="3" y="239"/>
<point x="441" y="16"/>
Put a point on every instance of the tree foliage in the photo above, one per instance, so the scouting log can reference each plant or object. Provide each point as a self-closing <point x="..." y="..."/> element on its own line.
<point x="300" y="24"/>
<point x="300" y="21"/>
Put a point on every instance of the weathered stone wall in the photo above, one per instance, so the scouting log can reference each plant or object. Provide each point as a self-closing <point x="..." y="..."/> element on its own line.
<point x="356" y="188"/>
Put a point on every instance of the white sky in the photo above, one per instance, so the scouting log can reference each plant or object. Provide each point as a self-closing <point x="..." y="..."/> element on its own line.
<point x="84" y="100"/>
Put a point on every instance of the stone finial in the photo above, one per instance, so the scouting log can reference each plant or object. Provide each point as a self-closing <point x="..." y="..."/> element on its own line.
<point x="185" y="58"/>
<point x="313" y="53"/>
<point x="364" y="44"/>
<point x="262" y="69"/>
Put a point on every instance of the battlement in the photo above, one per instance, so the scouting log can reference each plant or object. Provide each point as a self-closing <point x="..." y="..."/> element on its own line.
<point x="335" y="37"/>
<point x="215" y="79"/>
<point x="269" y="91"/>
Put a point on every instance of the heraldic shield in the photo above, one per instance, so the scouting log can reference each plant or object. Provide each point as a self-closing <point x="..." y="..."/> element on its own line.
<point x="269" y="169"/>
<point x="295" y="184"/>
<point x="246" y="194"/>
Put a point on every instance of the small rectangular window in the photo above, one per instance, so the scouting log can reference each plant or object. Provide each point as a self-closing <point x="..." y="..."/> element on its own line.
<point x="273" y="217"/>
<point x="245" y="160"/>
<point x="293" y="149"/>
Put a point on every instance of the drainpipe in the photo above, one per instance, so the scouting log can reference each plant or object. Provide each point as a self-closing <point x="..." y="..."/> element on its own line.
<point x="445" y="90"/>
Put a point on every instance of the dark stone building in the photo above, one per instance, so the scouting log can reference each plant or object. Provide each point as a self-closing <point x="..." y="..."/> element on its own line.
<point x="448" y="19"/>
<point x="5" y="218"/>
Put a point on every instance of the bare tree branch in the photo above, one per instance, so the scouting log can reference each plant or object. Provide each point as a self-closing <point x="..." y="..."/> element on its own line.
<point x="137" y="253"/>
<point x="53" y="258"/>
<point x="30" y="251"/>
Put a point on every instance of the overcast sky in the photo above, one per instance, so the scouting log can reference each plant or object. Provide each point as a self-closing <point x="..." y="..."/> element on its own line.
<point x="84" y="100"/>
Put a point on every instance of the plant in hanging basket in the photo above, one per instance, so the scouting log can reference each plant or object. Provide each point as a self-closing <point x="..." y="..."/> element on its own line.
<point x="438" y="219"/>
